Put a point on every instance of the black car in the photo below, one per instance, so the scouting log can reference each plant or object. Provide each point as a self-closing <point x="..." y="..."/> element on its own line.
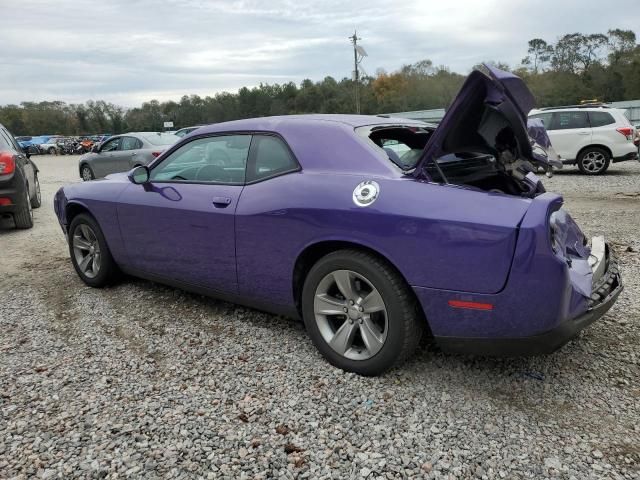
<point x="19" y="186"/>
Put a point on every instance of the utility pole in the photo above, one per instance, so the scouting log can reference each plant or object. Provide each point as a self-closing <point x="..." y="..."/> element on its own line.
<point x="358" y="51"/>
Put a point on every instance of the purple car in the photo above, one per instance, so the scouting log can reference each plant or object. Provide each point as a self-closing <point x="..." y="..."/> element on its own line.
<point x="373" y="230"/>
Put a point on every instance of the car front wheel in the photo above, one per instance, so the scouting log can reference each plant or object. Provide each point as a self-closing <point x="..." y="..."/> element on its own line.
<point x="360" y="313"/>
<point x="594" y="161"/>
<point x="90" y="254"/>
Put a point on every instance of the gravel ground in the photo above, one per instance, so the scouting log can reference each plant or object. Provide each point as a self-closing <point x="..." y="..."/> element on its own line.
<point x="141" y="380"/>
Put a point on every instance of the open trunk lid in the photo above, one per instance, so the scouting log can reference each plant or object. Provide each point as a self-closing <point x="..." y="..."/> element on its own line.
<point x="489" y="115"/>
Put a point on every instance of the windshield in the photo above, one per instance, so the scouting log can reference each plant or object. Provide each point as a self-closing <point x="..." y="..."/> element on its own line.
<point x="161" y="138"/>
<point x="403" y="144"/>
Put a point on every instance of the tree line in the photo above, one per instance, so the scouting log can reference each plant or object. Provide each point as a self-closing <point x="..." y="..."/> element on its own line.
<point x="604" y="67"/>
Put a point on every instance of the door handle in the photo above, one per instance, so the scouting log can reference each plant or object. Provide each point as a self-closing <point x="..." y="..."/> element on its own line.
<point x="583" y="133"/>
<point x="134" y="154"/>
<point x="221" y="202"/>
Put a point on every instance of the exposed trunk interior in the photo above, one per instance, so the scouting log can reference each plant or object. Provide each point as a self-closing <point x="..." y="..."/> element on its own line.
<point x="498" y="170"/>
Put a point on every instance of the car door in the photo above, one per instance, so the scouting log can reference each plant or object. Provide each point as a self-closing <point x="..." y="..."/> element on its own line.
<point x="569" y="132"/>
<point x="107" y="159"/>
<point x="128" y="153"/>
<point x="181" y="224"/>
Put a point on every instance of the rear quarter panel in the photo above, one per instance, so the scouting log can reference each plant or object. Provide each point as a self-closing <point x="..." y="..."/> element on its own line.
<point x="441" y="237"/>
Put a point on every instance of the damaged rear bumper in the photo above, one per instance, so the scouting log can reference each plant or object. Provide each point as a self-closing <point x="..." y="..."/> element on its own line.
<point x="607" y="286"/>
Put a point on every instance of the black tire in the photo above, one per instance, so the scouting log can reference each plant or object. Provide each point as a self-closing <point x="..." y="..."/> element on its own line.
<point x="51" y="151"/>
<point x="86" y="173"/>
<point x="36" y="200"/>
<point x="405" y="322"/>
<point x="594" y="161"/>
<point x="23" y="218"/>
<point x="108" y="272"/>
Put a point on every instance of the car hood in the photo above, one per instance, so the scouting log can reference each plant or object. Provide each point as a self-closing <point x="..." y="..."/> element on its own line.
<point x="480" y="118"/>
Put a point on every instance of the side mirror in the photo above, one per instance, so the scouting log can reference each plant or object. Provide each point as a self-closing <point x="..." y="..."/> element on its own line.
<point x="139" y="175"/>
<point x="26" y="152"/>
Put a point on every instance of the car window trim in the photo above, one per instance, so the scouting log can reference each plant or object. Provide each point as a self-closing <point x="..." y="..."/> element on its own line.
<point x="251" y="160"/>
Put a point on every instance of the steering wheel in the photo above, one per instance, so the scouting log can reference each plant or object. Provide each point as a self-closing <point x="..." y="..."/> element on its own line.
<point x="208" y="172"/>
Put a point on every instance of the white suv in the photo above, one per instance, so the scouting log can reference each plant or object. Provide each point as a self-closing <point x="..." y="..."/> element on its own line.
<point x="590" y="136"/>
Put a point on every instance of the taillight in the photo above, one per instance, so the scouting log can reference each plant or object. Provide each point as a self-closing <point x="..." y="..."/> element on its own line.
<point x="4" y="201"/>
<point x="156" y="154"/>
<point x="626" y="131"/>
<point x="7" y="163"/>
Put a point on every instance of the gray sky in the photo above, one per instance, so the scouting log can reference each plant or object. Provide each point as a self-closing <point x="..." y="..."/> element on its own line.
<point x="135" y="50"/>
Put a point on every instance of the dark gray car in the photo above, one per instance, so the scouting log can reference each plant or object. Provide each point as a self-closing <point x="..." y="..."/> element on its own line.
<point x="121" y="153"/>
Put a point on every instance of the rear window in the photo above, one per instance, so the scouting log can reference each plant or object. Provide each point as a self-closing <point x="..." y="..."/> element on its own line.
<point x="600" y="119"/>
<point x="403" y="144"/>
<point x="161" y="138"/>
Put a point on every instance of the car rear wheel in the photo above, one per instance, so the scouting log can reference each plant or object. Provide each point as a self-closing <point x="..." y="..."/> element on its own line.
<point x="594" y="161"/>
<point x="360" y="313"/>
<point x="86" y="173"/>
<point x="51" y="151"/>
<point x="23" y="218"/>
<point x="90" y="254"/>
<point x="36" y="200"/>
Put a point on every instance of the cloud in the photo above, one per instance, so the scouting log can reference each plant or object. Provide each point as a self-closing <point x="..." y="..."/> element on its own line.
<point x="135" y="50"/>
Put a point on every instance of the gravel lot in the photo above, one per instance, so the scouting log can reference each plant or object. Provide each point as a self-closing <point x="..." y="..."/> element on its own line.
<point x="141" y="380"/>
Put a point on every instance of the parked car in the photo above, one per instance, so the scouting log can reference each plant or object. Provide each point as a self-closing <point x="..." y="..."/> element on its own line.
<point x="123" y="152"/>
<point x="311" y="216"/>
<point x="51" y="146"/>
<point x="26" y="144"/>
<point x="185" y="131"/>
<point x="590" y="136"/>
<point x="19" y="185"/>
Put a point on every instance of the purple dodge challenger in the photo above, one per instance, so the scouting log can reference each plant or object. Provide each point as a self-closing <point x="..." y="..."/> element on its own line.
<point x="373" y="230"/>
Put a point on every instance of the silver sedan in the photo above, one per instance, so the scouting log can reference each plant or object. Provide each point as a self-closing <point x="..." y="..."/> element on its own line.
<point x="121" y="153"/>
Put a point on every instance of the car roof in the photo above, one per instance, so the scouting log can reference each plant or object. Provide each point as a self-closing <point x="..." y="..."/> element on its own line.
<point x="588" y="108"/>
<point x="276" y="122"/>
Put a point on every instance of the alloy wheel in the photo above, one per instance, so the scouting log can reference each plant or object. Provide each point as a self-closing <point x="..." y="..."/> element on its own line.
<point x="350" y="314"/>
<point x="86" y="173"/>
<point x="86" y="250"/>
<point x="594" y="162"/>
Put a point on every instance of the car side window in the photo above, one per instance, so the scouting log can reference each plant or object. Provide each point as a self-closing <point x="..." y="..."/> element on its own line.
<point x="569" y="120"/>
<point x="270" y="156"/>
<point x="546" y="119"/>
<point x="111" y="145"/>
<point x="130" y="143"/>
<point x="218" y="159"/>
<point x="600" y="119"/>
